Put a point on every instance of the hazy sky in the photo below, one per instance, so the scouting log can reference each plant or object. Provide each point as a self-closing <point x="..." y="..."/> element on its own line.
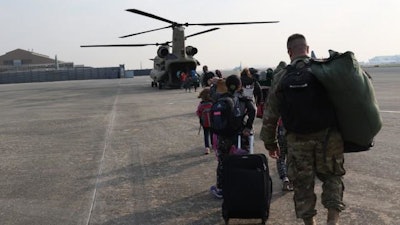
<point x="58" y="27"/>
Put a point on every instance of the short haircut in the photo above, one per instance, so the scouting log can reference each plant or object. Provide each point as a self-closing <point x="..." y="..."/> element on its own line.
<point x="294" y="37"/>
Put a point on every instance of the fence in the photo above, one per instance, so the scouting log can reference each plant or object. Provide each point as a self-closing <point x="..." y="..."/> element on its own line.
<point x="78" y="73"/>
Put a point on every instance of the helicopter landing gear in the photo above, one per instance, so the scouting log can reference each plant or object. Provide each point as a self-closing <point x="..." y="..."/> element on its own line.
<point x="153" y="84"/>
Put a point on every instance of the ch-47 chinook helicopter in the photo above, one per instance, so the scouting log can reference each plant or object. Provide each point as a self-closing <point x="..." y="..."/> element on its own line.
<point x="167" y="63"/>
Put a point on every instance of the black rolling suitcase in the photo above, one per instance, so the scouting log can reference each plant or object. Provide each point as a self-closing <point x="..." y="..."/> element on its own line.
<point x="247" y="187"/>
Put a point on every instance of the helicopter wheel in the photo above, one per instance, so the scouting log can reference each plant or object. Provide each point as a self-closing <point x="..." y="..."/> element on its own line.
<point x="152" y="84"/>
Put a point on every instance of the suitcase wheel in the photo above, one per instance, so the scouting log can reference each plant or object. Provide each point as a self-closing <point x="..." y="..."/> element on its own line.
<point x="226" y="221"/>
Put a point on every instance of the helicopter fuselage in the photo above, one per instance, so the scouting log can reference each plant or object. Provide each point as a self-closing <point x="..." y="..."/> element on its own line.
<point x="167" y="66"/>
<point x="166" y="74"/>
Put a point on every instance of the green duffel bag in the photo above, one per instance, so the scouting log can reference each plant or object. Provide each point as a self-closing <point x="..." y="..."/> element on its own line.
<point x="353" y="96"/>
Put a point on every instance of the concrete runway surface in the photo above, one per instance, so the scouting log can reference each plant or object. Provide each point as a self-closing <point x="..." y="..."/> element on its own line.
<point x="120" y="152"/>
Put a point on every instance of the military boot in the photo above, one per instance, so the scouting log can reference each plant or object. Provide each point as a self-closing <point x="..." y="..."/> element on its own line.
<point x="333" y="217"/>
<point x="309" y="221"/>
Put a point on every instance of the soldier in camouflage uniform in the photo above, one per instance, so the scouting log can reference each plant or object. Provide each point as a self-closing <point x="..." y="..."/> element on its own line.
<point x="316" y="154"/>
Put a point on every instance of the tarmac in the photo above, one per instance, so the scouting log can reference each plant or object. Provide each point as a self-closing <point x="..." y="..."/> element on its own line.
<point x="105" y="152"/>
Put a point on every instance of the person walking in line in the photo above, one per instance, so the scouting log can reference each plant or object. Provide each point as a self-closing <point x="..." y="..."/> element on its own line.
<point x="251" y="87"/>
<point x="315" y="146"/>
<point x="203" y="112"/>
<point x="235" y="118"/>
<point x="217" y="89"/>
<point x="218" y="73"/>
<point x="206" y="76"/>
<point x="195" y="79"/>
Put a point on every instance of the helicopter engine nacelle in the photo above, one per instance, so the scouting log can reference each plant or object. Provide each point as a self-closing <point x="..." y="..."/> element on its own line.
<point x="191" y="51"/>
<point x="162" y="51"/>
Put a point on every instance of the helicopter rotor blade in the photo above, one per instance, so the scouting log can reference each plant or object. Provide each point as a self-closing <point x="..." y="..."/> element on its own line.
<point x="175" y="24"/>
<point x="130" y="35"/>
<point x="124" y="45"/>
<point x="202" y="32"/>
<point x="150" y="15"/>
<point x="228" y="23"/>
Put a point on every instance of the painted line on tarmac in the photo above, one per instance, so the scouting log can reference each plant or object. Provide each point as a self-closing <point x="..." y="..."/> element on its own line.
<point x="388" y="111"/>
<point x="107" y="141"/>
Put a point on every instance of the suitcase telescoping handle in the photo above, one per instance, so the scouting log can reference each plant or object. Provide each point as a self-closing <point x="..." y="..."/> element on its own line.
<point x="251" y="143"/>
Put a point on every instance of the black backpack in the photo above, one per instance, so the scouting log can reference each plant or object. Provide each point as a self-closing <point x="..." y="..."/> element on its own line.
<point x="304" y="103"/>
<point x="226" y="116"/>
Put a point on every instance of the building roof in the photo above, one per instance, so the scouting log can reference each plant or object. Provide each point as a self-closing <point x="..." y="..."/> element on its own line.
<point x="20" y="59"/>
<point x="25" y="57"/>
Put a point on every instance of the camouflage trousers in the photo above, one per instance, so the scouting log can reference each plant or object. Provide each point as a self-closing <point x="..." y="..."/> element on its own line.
<point x="318" y="155"/>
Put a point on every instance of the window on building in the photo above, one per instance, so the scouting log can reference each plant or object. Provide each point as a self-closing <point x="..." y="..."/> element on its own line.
<point x="26" y="61"/>
<point x="17" y="62"/>
<point x="8" y="62"/>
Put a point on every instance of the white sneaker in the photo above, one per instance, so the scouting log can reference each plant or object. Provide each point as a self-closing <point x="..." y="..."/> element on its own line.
<point x="287" y="185"/>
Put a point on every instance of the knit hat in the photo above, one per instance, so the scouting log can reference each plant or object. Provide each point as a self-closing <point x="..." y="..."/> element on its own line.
<point x="233" y="83"/>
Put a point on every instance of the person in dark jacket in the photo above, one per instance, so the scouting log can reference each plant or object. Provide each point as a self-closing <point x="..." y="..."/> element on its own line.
<point x="246" y="117"/>
<point x="250" y="86"/>
<point x="206" y="76"/>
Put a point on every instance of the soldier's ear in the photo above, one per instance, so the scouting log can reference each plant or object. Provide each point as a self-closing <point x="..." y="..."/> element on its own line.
<point x="289" y="51"/>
